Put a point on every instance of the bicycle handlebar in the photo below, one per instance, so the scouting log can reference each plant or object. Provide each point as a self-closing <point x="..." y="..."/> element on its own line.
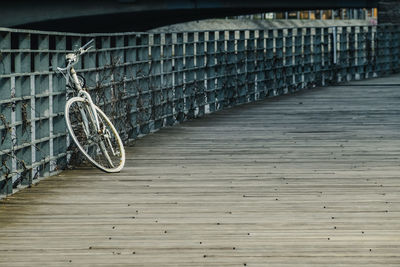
<point x="73" y="58"/>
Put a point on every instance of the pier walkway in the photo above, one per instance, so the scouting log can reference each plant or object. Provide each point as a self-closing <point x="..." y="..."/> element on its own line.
<point x="310" y="179"/>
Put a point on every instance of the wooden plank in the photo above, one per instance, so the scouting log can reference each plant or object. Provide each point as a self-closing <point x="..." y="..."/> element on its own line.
<point x="309" y="179"/>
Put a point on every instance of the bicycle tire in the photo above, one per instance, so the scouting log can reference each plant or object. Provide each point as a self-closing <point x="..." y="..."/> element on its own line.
<point x="93" y="145"/>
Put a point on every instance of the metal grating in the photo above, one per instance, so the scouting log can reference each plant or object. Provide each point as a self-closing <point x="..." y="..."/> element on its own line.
<point x="149" y="81"/>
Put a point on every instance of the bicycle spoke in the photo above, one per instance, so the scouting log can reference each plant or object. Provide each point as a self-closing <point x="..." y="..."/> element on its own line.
<point x="101" y="147"/>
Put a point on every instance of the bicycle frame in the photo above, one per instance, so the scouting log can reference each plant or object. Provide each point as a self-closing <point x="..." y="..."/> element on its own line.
<point x="84" y="94"/>
<point x="71" y="76"/>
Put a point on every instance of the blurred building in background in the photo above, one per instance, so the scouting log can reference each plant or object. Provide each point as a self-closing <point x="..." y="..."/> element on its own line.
<point x="332" y="14"/>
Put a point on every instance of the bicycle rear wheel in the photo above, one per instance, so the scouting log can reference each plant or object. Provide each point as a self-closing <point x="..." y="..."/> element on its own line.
<point x="103" y="148"/>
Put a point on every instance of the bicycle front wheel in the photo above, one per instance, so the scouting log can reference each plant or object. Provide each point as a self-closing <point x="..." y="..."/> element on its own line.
<point x="102" y="147"/>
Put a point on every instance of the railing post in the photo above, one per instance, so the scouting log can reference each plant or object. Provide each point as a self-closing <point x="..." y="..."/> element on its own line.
<point x="231" y="93"/>
<point x="334" y="45"/>
<point x="131" y="85"/>
<point x="221" y="71"/>
<point x="361" y="53"/>
<point x="288" y="61"/>
<point x="298" y="58"/>
<point x="261" y="65"/>
<point x="210" y="72"/>
<point x="396" y="49"/>
<point x="343" y="57"/>
<point x="370" y="52"/>
<point x="317" y="57"/>
<point x="352" y="55"/>
<point x="250" y="65"/>
<point x="156" y="91"/>
<point x="200" y="95"/>
<point x="167" y="85"/>
<point x="189" y="91"/>
<point x="241" y="67"/>
<point x="178" y="78"/>
<point x="327" y="58"/>
<point x="143" y="100"/>
<point x="5" y="114"/>
<point x="307" y="58"/>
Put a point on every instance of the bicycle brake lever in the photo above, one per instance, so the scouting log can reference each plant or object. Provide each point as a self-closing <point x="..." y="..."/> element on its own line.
<point x="82" y="51"/>
<point x="87" y="49"/>
<point x="83" y="48"/>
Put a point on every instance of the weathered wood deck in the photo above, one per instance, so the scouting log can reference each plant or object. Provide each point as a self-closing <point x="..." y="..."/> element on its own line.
<point x="305" y="180"/>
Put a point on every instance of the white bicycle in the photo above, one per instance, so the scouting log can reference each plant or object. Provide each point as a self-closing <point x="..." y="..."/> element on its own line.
<point x="91" y="130"/>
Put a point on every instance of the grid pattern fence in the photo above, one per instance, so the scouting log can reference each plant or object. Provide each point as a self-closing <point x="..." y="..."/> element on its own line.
<point x="148" y="81"/>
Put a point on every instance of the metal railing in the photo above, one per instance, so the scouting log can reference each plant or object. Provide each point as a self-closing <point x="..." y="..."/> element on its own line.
<point x="149" y="81"/>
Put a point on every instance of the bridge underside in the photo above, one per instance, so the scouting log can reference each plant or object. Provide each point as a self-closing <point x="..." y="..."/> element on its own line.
<point x="135" y="21"/>
<point x="137" y="15"/>
<point x="305" y="180"/>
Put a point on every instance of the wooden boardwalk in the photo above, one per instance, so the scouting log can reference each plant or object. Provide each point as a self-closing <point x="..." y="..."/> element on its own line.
<point x="305" y="180"/>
